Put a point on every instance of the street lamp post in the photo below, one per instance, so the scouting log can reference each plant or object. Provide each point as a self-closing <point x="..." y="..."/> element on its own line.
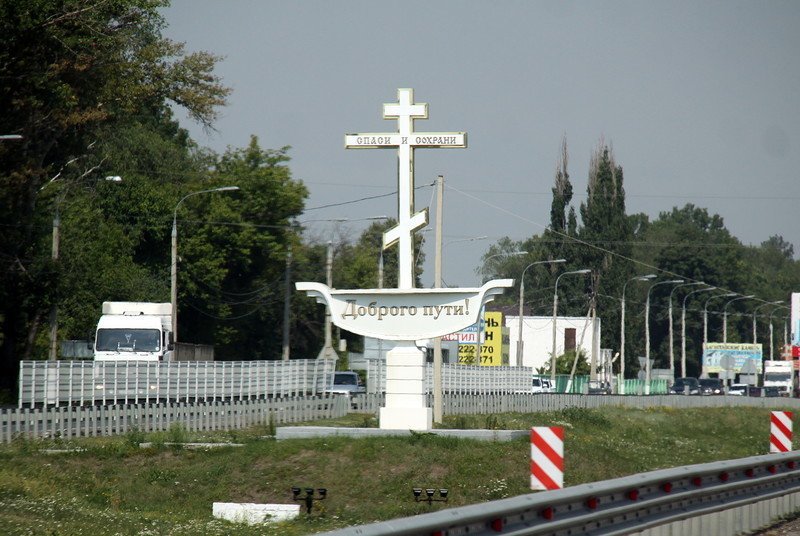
<point x="174" y="263"/>
<point x="755" y="311"/>
<point x="705" y="313"/>
<point x="647" y="365"/>
<point x="555" y="315"/>
<point x="683" y="327"/>
<point x="621" y="389"/>
<point x="771" y="344"/>
<point x="671" y="344"/>
<point x="520" y="342"/>
<point x="725" y="315"/>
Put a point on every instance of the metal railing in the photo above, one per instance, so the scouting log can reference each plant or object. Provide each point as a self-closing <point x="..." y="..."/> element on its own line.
<point x="107" y="382"/>
<point x="83" y="421"/>
<point x="722" y="498"/>
<point x="98" y="420"/>
<point x="59" y="383"/>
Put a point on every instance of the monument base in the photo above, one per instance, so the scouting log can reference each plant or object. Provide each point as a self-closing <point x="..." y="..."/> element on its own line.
<point x="406" y="407"/>
<point x="406" y="418"/>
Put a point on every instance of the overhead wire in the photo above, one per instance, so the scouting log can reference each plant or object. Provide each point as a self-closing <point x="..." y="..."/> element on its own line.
<point x="566" y="237"/>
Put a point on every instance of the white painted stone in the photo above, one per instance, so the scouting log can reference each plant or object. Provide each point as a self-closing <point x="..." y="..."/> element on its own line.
<point x="405" y="373"/>
<point x="254" y="514"/>
<point x="406" y="404"/>
<point x="418" y="419"/>
<point x="401" y="400"/>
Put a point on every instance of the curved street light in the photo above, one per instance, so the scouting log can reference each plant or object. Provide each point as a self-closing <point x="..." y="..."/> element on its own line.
<point x="647" y="365"/>
<point x="520" y="342"/>
<point x="671" y="342"/>
<point x="647" y="277"/>
<point x="174" y="263"/>
<point x="725" y="315"/>
<point x="705" y="313"/>
<point x="683" y="327"/>
<point x="555" y="314"/>
<point x="771" y="344"/>
<point x="755" y="311"/>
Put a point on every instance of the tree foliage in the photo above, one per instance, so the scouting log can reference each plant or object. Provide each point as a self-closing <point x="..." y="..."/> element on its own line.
<point x="683" y="243"/>
<point x="78" y="78"/>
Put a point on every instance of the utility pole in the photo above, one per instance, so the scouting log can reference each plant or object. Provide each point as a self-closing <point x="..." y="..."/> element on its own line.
<point x="53" y="356"/>
<point x="287" y="298"/>
<point x="327" y="350"/>
<point x="437" y="342"/>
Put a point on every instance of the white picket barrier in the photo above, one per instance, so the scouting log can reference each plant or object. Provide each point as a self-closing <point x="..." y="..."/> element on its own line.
<point x="56" y="383"/>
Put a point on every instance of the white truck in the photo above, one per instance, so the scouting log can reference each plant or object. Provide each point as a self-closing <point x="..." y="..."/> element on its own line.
<point x="779" y="374"/>
<point x="134" y="331"/>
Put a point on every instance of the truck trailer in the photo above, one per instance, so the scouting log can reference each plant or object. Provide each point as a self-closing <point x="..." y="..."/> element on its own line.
<point x="779" y="374"/>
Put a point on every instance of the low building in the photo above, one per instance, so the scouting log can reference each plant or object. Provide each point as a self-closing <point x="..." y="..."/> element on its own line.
<point x="572" y="333"/>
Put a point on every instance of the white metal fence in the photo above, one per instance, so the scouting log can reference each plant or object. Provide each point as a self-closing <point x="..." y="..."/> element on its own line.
<point x="461" y="379"/>
<point x="83" y="421"/>
<point x="97" y="420"/>
<point x="59" y="383"/>
<point x="107" y="382"/>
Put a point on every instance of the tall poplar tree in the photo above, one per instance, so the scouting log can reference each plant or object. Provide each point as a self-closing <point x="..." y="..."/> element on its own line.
<point x="606" y="234"/>
<point x="562" y="214"/>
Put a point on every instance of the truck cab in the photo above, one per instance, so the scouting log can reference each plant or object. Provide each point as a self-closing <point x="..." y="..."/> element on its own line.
<point x="134" y="331"/>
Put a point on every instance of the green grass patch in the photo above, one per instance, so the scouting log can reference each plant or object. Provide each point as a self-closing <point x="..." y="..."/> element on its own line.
<point x="111" y="486"/>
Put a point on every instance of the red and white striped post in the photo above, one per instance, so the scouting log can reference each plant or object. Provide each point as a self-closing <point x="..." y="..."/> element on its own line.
<point x="780" y="431"/>
<point x="547" y="458"/>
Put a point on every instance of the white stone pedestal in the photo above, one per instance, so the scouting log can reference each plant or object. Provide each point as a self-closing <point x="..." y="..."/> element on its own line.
<point x="406" y="403"/>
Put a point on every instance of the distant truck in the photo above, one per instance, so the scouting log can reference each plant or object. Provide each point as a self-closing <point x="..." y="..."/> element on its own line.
<point x="134" y="331"/>
<point x="779" y="374"/>
<point x="142" y="331"/>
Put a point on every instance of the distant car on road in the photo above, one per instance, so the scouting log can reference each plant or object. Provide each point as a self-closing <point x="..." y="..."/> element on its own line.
<point x="768" y="391"/>
<point x="344" y="383"/>
<point x="738" y="389"/>
<point x="712" y="386"/>
<point x="597" y="387"/>
<point x="541" y="385"/>
<point x="682" y="385"/>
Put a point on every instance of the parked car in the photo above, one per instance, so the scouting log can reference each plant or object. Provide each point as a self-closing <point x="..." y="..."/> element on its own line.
<point x="681" y="385"/>
<point x="344" y="383"/>
<point x="712" y="386"/>
<point x="738" y="389"/>
<point x="597" y="387"/>
<point x="541" y="385"/>
<point x="769" y="391"/>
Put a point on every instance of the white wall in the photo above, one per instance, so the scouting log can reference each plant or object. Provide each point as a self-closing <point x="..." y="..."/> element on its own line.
<point x="537" y="334"/>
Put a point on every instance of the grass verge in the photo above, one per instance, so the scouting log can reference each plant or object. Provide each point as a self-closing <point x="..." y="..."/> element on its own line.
<point x="111" y="486"/>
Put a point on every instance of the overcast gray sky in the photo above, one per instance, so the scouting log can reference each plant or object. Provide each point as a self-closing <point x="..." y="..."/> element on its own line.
<point x="700" y="101"/>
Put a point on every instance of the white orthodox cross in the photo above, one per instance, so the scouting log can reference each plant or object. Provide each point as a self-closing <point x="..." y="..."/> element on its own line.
<point x="406" y="140"/>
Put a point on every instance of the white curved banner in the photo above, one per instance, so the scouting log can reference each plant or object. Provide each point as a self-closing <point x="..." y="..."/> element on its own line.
<point x="402" y="314"/>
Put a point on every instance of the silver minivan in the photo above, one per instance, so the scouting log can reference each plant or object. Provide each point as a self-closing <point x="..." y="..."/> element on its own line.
<point x="344" y="382"/>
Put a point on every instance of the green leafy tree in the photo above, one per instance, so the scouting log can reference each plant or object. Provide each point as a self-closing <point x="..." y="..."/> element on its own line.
<point x="560" y="235"/>
<point x="606" y="237"/>
<point x="565" y="362"/>
<point x="695" y="245"/>
<point x="233" y="248"/>
<point x="70" y="73"/>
